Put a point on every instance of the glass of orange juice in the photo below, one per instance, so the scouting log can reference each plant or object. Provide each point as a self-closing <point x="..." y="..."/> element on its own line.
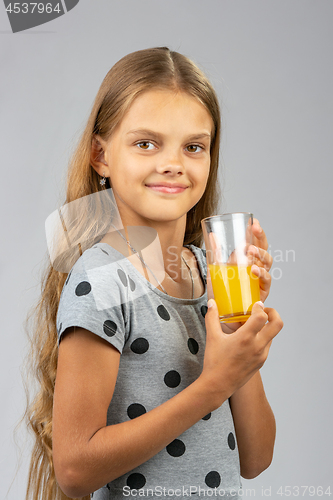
<point x="235" y="287"/>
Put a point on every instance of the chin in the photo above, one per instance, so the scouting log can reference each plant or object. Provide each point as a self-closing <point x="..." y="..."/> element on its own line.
<point x="164" y="216"/>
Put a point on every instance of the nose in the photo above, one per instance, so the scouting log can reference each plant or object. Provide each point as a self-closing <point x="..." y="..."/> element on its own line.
<point x="171" y="164"/>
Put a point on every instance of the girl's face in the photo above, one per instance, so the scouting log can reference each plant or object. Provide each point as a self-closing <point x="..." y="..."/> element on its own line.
<point x="158" y="158"/>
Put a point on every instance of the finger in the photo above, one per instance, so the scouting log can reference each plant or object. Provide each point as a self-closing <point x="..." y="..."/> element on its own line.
<point x="265" y="279"/>
<point x="210" y="291"/>
<point x="215" y="248"/>
<point x="272" y="327"/>
<point x="259" y="234"/>
<point x="257" y="320"/>
<point x="261" y="257"/>
<point x="212" y="318"/>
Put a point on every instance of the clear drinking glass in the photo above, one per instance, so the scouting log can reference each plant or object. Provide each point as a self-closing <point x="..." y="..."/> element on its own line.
<point x="235" y="287"/>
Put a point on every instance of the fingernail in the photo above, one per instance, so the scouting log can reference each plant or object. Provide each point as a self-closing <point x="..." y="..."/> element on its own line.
<point x="210" y="303"/>
<point x="261" y="304"/>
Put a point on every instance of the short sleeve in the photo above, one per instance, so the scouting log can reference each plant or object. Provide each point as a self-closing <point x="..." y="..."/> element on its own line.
<point x="94" y="298"/>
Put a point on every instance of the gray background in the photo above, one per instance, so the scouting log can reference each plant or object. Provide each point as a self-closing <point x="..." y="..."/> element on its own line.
<point x="271" y="63"/>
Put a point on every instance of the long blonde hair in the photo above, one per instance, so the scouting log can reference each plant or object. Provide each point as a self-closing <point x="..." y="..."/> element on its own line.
<point x="134" y="74"/>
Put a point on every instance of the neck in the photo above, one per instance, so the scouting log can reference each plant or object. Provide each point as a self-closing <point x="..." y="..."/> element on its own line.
<point x="171" y="240"/>
<point x="160" y="243"/>
<point x="159" y="256"/>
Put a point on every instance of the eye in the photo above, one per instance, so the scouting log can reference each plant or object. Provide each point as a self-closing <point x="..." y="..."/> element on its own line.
<point x="194" y="148"/>
<point x="145" y="145"/>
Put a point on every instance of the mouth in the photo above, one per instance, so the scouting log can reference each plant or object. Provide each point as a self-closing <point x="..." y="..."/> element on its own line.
<point x="167" y="188"/>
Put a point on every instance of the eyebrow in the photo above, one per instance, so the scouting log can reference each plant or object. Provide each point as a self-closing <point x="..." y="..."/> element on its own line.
<point x="156" y="135"/>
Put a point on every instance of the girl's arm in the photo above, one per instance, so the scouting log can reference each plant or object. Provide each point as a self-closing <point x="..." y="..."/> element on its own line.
<point x="255" y="427"/>
<point x="87" y="453"/>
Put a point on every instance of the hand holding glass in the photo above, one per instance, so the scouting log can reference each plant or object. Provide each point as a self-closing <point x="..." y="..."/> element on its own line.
<point x="236" y="288"/>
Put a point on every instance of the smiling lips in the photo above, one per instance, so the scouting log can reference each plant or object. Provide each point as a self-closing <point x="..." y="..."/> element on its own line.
<point x="167" y="188"/>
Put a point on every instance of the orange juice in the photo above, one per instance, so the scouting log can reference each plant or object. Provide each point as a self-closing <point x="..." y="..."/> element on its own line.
<point x="236" y="289"/>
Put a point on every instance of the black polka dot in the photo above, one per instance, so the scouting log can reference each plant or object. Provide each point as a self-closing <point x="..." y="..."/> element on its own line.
<point x="135" y="410"/>
<point x="108" y="486"/>
<point x="122" y="276"/>
<point x="136" y="481"/>
<point x="109" y="328"/>
<point x="207" y="417"/>
<point x="67" y="280"/>
<point x="163" y="313"/>
<point x="172" y="378"/>
<point x="104" y="251"/>
<point x="193" y="345"/>
<point x="140" y="345"/>
<point x="132" y="284"/>
<point x="231" y="441"/>
<point x="213" y="479"/>
<point x="83" y="288"/>
<point x="176" y="448"/>
<point x="204" y="310"/>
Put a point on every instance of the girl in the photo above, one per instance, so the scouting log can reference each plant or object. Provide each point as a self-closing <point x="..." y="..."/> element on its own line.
<point x="145" y="394"/>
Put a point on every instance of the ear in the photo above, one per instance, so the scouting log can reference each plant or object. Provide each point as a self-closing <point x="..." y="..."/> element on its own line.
<point x="97" y="157"/>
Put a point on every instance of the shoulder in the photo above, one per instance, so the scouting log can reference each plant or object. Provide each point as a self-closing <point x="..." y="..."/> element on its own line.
<point x="200" y="255"/>
<point x="101" y="271"/>
<point x="101" y="254"/>
<point x="94" y="296"/>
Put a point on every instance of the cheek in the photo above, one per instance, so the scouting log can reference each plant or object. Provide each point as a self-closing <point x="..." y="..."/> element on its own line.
<point x="121" y="173"/>
<point x="204" y="181"/>
<point x="134" y="168"/>
<point x="202" y="177"/>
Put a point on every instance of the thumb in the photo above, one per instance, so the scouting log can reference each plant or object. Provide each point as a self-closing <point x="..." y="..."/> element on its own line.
<point x="258" y="317"/>
<point x="212" y="317"/>
<point x="258" y="307"/>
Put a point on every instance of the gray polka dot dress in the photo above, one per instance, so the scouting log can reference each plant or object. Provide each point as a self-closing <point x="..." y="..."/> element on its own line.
<point x="161" y="340"/>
